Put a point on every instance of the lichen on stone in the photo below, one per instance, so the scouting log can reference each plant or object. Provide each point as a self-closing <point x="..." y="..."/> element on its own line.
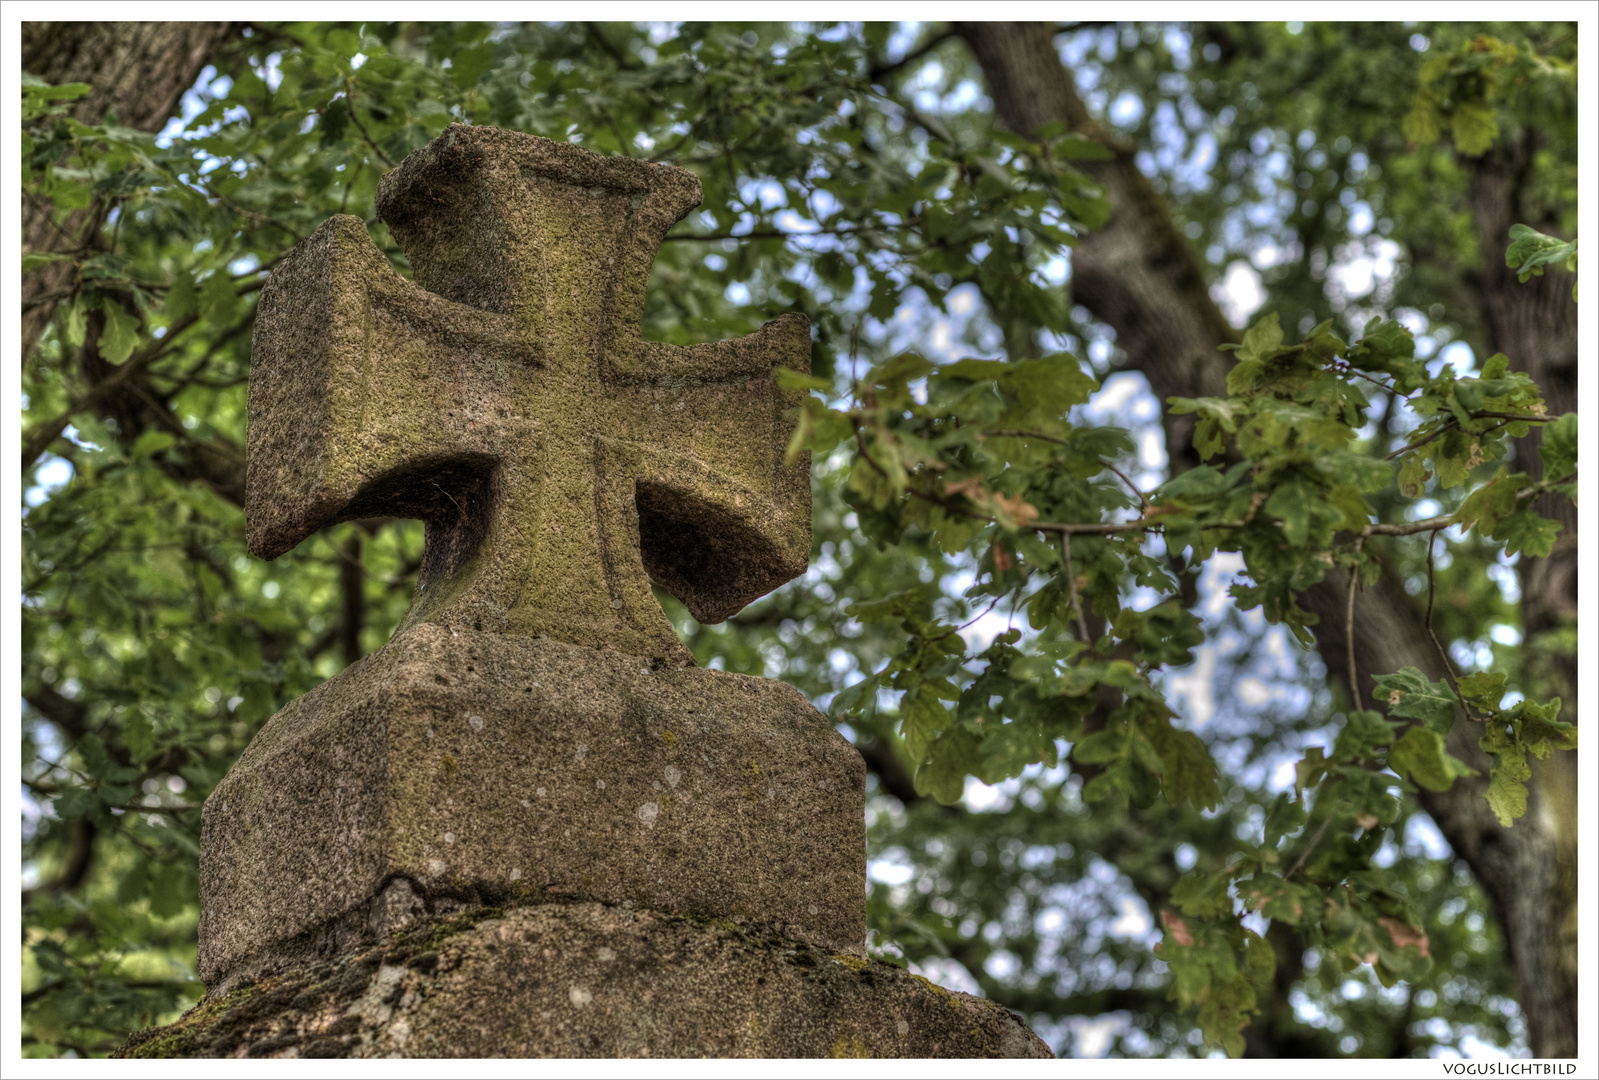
<point x="590" y="980"/>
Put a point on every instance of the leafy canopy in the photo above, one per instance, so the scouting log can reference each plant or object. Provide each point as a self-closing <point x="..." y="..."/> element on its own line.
<point x="870" y="191"/>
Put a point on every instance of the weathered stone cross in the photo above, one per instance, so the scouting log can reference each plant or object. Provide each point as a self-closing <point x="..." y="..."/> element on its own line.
<point x="507" y="399"/>
<point x="510" y="747"/>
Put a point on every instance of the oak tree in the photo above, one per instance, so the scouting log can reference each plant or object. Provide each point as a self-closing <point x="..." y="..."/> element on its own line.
<point x="1063" y="501"/>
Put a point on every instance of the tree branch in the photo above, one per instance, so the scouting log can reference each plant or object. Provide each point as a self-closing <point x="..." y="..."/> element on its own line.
<point x="878" y="71"/>
<point x="65" y="713"/>
<point x="624" y="60"/>
<point x="892" y="776"/>
<point x="40" y="438"/>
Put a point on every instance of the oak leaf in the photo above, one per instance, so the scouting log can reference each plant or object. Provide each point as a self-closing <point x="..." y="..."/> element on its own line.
<point x="1405" y="935"/>
<point x="1002" y="559"/>
<point x="1017" y="509"/>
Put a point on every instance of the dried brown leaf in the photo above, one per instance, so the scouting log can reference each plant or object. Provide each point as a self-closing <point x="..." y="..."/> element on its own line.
<point x="1405" y="935"/>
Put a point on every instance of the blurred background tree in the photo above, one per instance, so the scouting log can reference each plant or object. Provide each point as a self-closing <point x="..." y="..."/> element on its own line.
<point x="880" y="178"/>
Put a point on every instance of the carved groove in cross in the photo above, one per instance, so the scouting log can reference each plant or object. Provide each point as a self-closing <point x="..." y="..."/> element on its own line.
<point x="506" y="398"/>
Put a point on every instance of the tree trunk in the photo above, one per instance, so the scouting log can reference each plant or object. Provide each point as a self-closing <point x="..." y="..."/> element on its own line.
<point x="1139" y="275"/>
<point x="1535" y="325"/>
<point x="138" y="72"/>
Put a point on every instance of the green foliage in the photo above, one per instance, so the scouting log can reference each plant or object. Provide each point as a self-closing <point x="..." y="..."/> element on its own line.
<point x="1410" y="695"/>
<point x="1528" y="727"/>
<point x="1530" y="251"/>
<point x="945" y="489"/>
<point x="973" y="463"/>
<point x="1461" y="88"/>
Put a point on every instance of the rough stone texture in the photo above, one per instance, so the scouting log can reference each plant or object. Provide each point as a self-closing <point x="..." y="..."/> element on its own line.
<point x="456" y="768"/>
<point x="677" y="856"/>
<point x="588" y="980"/>
<point x="506" y="398"/>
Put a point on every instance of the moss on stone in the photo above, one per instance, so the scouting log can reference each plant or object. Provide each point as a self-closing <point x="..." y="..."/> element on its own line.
<point x="591" y="980"/>
<point x="850" y="1047"/>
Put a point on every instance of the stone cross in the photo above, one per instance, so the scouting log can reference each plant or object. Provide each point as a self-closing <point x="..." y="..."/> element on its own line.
<point x="534" y="732"/>
<point x="528" y="825"/>
<point x="560" y="462"/>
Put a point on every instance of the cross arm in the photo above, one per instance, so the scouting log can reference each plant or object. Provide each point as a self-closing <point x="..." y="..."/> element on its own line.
<point x="785" y="342"/>
<point x="347" y="409"/>
<point x="723" y="514"/>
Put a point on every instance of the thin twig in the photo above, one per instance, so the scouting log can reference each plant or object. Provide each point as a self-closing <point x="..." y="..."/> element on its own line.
<point x="1071" y="588"/>
<point x="458" y="507"/>
<point x="1299" y="863"/>
<point x="1011" y="614"/>
<point x="1449" y="668"/>
<point x="1452" y="424"/>
<point x="945" y="504"/>
<point x="1513" y="417"/>
<point x="932" y="125"/>
<point x="39" y="439"/>
<point x="355" y="561"/>
<point x="190" y="377"/>
<point x="163" y="417"/>
<point x="1349" y="626"/>
<point x="964" y="625"/>
<point x="1145" y="523"/>
<point x="350" y="101"/>
<point x="1447" y="426"/>
<point x="1041" y="437"/>
<point x="617" y="131"/>
<point x="1143" y="503"/>
<point x="1096" y="528"/>
<point x="1544" y="485"/>
<point x="992" y="604"/>
<point x="265" y="267"/>
<point x="666" y="154"/>
<point x="1368" y="378"/>
<point x="780" y="234"/>
<point x="350" y="183"/>
<point x="1432" y="524"/>
<point x="1016" y="433"/>
<point x="1111" y="528"/>
<point x="254" y="216"/>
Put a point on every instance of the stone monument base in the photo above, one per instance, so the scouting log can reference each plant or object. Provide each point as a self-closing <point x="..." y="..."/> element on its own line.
<point x="590" y="980"/>
<point x="453" y="769"/>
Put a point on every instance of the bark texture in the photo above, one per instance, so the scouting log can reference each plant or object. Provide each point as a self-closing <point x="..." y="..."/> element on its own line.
<point x="138" y="72"/>
<point x="1139" y="275"/>
<point x="1535" y="324"/>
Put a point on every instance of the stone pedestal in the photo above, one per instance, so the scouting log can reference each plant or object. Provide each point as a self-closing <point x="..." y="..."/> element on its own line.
<point x="590" y="980"/>
<point x="454" y="769"/>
